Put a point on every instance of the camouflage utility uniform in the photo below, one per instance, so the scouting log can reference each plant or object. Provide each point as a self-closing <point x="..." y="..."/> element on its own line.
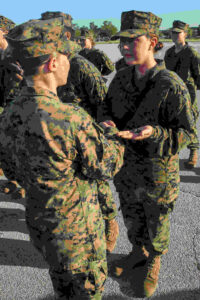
<point x="99" y="59"/>
<point x="86" y="87"/>
<point x="8" y="82"/>
<point x="57" y="155"/>
<point x="56" y="152"/>
<point x="148" y="183"/>
<point x="186" y="64"/>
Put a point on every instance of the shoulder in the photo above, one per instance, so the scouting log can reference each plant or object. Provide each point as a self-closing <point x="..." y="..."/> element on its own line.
<point x="170" y="81"/>
<point x="192" y="51"/>
<point x="78" y="61"/>
<point x="170" y="50"/>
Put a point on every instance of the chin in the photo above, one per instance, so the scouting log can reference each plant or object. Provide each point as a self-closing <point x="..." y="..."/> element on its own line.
<point x="131" y="63"/>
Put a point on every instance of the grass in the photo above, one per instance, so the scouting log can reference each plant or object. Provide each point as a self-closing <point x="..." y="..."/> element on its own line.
<point x="161" y="40"/>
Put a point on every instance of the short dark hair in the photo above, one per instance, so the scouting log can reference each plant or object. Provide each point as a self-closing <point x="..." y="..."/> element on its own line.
<point x="30" y="65"/>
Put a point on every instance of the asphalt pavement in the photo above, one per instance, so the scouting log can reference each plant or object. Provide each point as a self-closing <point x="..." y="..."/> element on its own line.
<point x="24" y="273"/>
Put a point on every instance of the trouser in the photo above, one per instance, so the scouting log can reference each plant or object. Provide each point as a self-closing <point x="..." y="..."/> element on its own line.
<point x="106" y="200"/>
<point x="148" y="189"/>
<point x="195" y="142"/>
<point x="83" y="283"/>
<point x="77" y="260"/>
<point x="147" y="223"/>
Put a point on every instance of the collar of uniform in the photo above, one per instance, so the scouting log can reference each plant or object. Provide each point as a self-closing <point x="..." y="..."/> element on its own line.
<point x="184" y="47"/>
<point x="157" y="68"/>
<point x="36" y="91"/>
<point x="140" y="82"/>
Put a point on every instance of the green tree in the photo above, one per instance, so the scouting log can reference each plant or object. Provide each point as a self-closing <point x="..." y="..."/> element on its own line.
<point x="108" y="28"/>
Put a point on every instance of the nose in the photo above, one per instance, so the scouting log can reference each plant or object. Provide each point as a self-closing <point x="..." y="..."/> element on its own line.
<point x="125" y="46"/>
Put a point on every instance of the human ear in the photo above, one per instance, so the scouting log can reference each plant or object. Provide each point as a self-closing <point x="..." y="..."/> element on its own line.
<point x="153" y="42"/>
<point x="52" y="64"/>
<point x="68" y="35"/>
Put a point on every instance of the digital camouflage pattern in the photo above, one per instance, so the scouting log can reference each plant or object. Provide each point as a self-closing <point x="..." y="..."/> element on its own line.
<point x="148" y="182"/>
<point x="28" y="39"/>
<point x="56" y="152"/>
<point x="135" y="23"/>
<point x="186" y="64"/>
<point x="86" y="87"/>
<point x="179" y="26"/>
<point x="6" y="24"/>
<point x="10" y="84"/>
<point x="99" y="59"/>
<point x="55" y="14"/>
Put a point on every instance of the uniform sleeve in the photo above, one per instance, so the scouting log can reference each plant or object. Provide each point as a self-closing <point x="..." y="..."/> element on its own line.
<point x="107" y="65"/>
<point x="101" y="156"/>
<point x="195" y="67"/>
<point x="177" y="127"/>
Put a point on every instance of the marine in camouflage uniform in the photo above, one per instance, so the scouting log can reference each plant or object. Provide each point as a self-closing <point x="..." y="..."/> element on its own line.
<point x="86" y="88"/>
<point x="96" y="56"/>
<point x="57" y="152"/>
<point x="148" y="182"/>
<point x="10" y="84"/>
<point x="8" y="79"/>
<point x="185" y="61"/>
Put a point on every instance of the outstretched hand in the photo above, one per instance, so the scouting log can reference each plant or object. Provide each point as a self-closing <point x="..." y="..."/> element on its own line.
<point x="137" y="134"/>
<point x="107" y="123"/>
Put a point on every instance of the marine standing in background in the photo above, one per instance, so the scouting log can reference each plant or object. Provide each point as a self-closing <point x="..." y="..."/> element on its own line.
<point x="152" y="108"/>
<point x="86" y="88"/>
<point x="57" y="153"/>
<point x="185" y="61"/>
<point x="96" y="56"/>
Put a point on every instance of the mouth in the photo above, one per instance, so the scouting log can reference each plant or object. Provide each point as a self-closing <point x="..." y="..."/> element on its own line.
<point x="128" y="55"/>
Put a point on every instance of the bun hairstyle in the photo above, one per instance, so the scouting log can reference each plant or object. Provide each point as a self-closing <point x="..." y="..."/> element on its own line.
<point x="159" y="45"/>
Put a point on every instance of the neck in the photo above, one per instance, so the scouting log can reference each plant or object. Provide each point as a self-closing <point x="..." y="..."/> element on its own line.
<point x="179" y="46"/>
<point x="143" y="69"/>
<point x="43" y="83"/>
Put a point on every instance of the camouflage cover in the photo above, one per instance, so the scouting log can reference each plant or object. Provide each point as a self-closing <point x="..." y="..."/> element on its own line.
<point x="135" y="23"/>
<point x="6" y="24"/>
<point x="39" y="37"/>
<point x="56" y="14"/>
<point x="179" y="26"/>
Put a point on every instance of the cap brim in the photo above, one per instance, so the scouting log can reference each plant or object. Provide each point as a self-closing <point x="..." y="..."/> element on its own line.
<point x="131" y="33"/>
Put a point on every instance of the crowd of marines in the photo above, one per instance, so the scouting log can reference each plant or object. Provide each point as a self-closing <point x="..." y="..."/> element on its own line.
<point x="64" y="135"/>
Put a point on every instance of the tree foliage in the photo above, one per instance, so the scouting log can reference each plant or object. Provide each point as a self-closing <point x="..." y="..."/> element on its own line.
<point x="105" y="31"/>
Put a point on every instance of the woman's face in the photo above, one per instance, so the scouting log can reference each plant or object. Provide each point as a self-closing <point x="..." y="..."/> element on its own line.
<point x="135" y="51"/>
<point x="88" y="43"/>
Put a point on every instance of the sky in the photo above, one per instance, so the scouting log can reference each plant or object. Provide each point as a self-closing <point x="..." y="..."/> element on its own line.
<point x="22" y="10"/>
